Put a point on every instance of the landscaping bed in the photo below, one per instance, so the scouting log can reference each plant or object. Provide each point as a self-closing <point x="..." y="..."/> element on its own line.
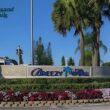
<point x="58" y="98"/>
<point x="54" y="91"/>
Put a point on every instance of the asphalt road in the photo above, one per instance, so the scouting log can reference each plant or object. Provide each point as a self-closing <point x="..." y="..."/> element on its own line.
<point x="76" y="107"/>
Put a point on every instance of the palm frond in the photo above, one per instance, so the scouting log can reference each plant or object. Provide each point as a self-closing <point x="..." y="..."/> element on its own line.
<point x="104" y="47"/>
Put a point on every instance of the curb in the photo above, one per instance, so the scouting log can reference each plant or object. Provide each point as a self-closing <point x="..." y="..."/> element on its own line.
<point x="51" y="103"/>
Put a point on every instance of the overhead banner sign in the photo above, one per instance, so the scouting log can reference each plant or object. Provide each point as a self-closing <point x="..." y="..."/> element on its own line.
<point x="4" y="12"/>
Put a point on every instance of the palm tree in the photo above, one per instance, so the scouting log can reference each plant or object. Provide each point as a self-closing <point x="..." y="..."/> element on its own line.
<point x="68" y="14"/>
<point x="99" y="8"/>
<point x="89" y="46"/>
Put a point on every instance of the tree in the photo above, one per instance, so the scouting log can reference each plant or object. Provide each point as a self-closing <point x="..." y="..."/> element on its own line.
<point x="70" y="62"/>
<point x="98" y="9"/>
<point x="106" y="64"/>
<point x="42" y="55"/>
<point x="88" y="58"/>
<point x="63" y="61"/>
<point x="49" y="55"/>
<point x="68" y="14"/>
<point x="39" y="52"/>
<point x="82" y="14"/>
<point x="88" y="39"/>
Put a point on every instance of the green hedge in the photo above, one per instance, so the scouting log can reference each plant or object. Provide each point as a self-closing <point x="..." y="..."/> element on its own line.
<point x="53" y="87"/>
<point x="53" y="84"/>
<point x="54" y="80"/>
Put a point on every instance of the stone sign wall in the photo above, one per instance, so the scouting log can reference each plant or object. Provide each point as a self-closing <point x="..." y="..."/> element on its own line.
<point x="12" y="71"/>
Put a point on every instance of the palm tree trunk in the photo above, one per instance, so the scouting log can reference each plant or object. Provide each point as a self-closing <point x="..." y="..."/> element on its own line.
<point x="95" y="59"/>
<point x="92" y="54"/>
<point x="82" y="53"/>
<point x="98" y="40"/>
<point x="96" y="54"/>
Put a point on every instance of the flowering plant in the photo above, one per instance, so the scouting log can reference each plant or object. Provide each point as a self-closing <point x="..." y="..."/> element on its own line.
<point x="105" y="92"/>
<point x="89" y="94"/>
<point x="58" y="95"/>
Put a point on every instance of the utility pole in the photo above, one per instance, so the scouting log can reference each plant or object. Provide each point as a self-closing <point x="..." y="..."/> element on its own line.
<point x="32" y="47"/>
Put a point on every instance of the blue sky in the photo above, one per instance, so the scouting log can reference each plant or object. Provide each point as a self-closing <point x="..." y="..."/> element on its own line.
<point x="15" y="30"/>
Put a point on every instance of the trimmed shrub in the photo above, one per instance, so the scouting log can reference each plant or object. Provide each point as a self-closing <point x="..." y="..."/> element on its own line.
<point x="54" y="87"/>
<point x="53" y="84"/>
